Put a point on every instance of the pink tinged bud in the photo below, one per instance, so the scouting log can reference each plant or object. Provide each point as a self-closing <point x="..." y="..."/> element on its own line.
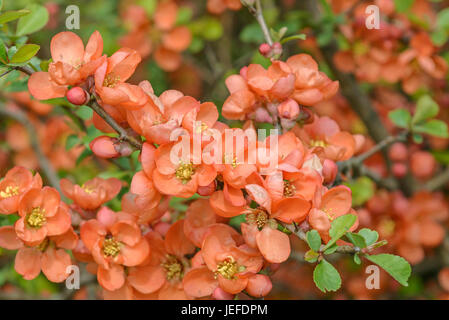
<point x="305" y="116"/>
<point x="330" y="170"/>
<point x="162" y="228"/>
<point x="220" y="294"/>
<point x="265" y="49"/>
<point x="289" y="109"/>
<point x="106" y="216"/>
<point x="422" y="164"/>
<point x="262" y="115"/>
<point x="77" y="96"/>
<point x="259" y="285"/>
<point x="398" y="152"/>
<point x="207" y="190"/>
<point x="104" y="147"/>
<point x="124" y="148"/>
<point x="276" y="49"/>
<point x="399" y="169"/>
<point x="287" y="124"/>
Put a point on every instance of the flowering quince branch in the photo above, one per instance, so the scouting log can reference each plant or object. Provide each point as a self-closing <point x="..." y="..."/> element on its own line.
<point x="439" y="181"/>
<point x="123" y="134"/>
<point x="255" y="8"/>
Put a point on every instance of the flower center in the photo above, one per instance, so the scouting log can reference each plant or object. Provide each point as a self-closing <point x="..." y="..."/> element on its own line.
<point x="87" y="189"/>
<point x="201" y="128"/>
<point x="111" y="247"/>
<point x="329" y="212"/>
<point x="9" y="192"/>
<point x="185" y="172"/>
<point x="36" y="218"/>
<point x="229" y="268"/>
<point x="289" y="189"/>
<point x="318" y="143"/>
<point x="230" y="159"/>
<point x="174" y="268"/>
<point x="111" y="80"/>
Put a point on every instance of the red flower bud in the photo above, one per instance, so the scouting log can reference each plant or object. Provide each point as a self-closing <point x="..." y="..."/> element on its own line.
<point x="398" y="152"/>
<point x="104" y="147"/>
<point x="289" y="109"/>
<point x="77" y="96"/>
<point x="399" y="169"/>
<point x="422" y="164"/>
<point x="259" y="285"/>
<point x="265" y="49"/>
<point x="330" y="170"/>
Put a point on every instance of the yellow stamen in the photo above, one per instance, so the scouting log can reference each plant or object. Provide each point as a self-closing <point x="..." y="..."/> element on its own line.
<point x="36" y="218"/>
<point x="230" y="159"/>
<point x="185" y="172"/>
<point x="229" y="268"/>
<point x="173" y="267"/>
<point x="258" y="217"/>
<point x="289" y="189"/>
<point x="111" y="80"/>
<point x="87" y="189"/>
<point x="111" y="247"/>
<point x="9" y="192"/>
<point x="318" y="143"/>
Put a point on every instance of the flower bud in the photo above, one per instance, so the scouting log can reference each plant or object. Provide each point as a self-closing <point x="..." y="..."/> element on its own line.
<point x="106" y="216"/>
<point x="259" y="285"/>
<point x="265" y="49"/>
<point x="77" y="96"/>
<point x="398" y="152"/>
<point x="289" y="109"/>
<point x="104" y="147"/>
<point x="124" y="148"/>
<point x="330" y="170"/>
<point x="399" y="169"/>
<point x="276" y="49"/>
<point x="422" y="164"/>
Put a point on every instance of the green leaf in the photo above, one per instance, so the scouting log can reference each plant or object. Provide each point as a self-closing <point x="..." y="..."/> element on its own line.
<point x="252" y="34"/>
<point x="433" y="127"/>
<point x="339" y="227"/>
<point x="370" y="236"/>
<point x="12" y="15"/>
<point x="331" y="249"/>
<point x="33" y="22"/>
<point x="301" y="36"/>
<point x="357" y="258"/>
<point x="356" y="239"/>
<point x="311" y="256"/>
<point x="417" y="138"/>
<point x="443" y="19"/>
<point x="3" y="53"/>
<point x="326" y="277"/>
<point x="362" y="190"/>
<point x="400" y="117"/>
<point x="403" y="5"/>
<point x="426" y="108"/>
<point x="72" y="140"/>
<point x="84" y="112"/>
<point x="184" y="15"/>
<point x="25" y="53"/>
<point x="314" y="240"/>
<point x="396" y="266"/>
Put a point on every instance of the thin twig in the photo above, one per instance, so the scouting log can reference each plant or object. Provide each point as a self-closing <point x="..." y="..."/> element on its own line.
<point x="124" y="135"/>
<point x="257" y="12"/>
<point x="438" y="181"/>
<point x="44" y="163"/>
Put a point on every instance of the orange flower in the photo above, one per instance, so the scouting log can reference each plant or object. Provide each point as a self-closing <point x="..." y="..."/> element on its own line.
<point x="161" y="276"/>
<point x="219" y="6"/>
<point x="41" y="214"/>
<point x="180" y="179"/>
<point x="229" y="264"/>
<point x="116" y="242"/>
<point x="72" y="64"/>
<point x="325" y="139"/>
<point x="14" y="185"/>
<point x="110" y="79"/>
<point x="92" y="194"/>
<point x="49" y="256"/>
<point x="334" y="203"/>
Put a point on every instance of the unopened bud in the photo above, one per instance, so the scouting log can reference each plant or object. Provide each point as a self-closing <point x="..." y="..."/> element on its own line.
<point x="259" y="285"/>
<point x="77" y="96"/>
<point x="265" y="49"/>
<point x="289" y="109"/>
<point x="104" y="147"/>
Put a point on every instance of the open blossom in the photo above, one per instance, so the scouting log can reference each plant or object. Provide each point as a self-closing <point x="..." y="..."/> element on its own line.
<point x="255" y="87"/>
<point x="228" y="264"/>
<point x="71" y="65"/>
<point x="110" y="79"/>
<point x="50" y="255"/>
<point x="41" y="214"/>
<point x="93" y="193"/>
<point x="115" y="242"/>
<point x="14" y="185"/>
